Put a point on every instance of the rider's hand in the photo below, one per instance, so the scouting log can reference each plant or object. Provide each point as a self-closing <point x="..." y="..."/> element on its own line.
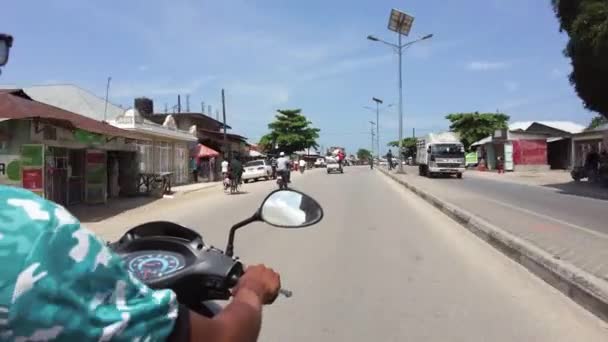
<point x="264" y="282"/>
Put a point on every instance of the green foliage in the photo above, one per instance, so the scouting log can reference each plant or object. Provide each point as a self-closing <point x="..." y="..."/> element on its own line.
<point x="586" y="22"/>
<point x="473" y="127"/>
<point x="409" y="146"/>
<point x="596" y="122"/>
<point x="364" y="154"/>
<point x="292" y="131"/>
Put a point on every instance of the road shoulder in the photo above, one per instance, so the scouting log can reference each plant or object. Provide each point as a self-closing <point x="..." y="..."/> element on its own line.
<point x="584" y="288"/>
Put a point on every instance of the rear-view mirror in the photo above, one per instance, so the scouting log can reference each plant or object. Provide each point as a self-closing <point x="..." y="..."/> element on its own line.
<point x="290" y="209"/>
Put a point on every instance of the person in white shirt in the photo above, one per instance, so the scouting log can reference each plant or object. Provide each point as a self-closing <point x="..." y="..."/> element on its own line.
<point x="283" y="166"/>
<point x="302" y="165"/>
<point x="224" y="167"/>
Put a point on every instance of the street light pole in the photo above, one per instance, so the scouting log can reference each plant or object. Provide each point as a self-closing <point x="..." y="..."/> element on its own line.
<point x="400" y="106"/>
<point x="378" y="102"/>
<point x="372" y="135"/>
<point x="401" y="23"/>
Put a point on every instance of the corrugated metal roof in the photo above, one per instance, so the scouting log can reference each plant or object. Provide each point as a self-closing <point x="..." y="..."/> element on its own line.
<point x="16" y="107"/>
<point x="566" y="126"/>
<point x="160" y="117"/>
<point x="221" y="134"/>
<point x="74" y="99"/>
<point x="482" y="141"/>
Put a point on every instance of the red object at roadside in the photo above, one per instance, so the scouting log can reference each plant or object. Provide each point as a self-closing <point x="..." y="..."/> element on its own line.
<point x="32" y="179"/>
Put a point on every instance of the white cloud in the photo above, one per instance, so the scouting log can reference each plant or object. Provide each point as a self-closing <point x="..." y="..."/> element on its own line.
<point x="511" y="86"/>
<point x="485" y="65"/>
<point x="345" y="65"/>
<point x="260" y="93"/>
<point x="129" y="89"/>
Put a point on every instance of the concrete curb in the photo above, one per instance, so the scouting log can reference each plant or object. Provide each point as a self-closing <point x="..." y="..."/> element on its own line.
<point x="582" y="287"/>
<point x="185" y="192"/>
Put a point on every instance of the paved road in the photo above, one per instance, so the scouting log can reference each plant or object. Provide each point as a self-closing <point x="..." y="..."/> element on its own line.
<point x="548" y="201"/>
<point x="572" y="228"/>
<point x="383" y="266"/>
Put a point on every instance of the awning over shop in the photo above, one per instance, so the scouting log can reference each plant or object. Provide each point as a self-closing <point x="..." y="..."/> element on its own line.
<point x="202" y="151"/>
<point x="13" y="106"/>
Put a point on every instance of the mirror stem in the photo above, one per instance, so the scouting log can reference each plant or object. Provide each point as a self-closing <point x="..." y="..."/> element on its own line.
<point x="230" y="246"/>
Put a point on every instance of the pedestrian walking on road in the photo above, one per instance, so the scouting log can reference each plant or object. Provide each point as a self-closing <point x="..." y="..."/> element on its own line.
<point x="389" y="158"/>
<point x="273" y="164"/>
<point x="500" y="165"/>
<point x="194" y="170"/>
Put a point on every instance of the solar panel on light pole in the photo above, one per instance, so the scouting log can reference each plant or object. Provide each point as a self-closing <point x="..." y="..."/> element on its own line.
<point x="400" y="22"/>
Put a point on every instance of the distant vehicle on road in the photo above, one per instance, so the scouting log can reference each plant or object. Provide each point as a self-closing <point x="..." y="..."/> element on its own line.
<point x="440" y="154"/>
<point x="257" y="169"/>
<point x="333" y="166"/>
<point x="320" y="162"/>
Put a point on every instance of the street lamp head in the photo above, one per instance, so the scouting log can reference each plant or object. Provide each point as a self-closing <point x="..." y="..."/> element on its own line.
<point x="372" y="38"/>
<point x="6" y="41"/>
<point x="377" y="100"/>
<point x="428" y="36"/>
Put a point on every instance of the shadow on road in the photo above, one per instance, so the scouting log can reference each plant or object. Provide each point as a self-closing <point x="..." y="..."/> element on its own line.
<point x="99" y="212"/>
<point x="238" y="193"/>
<point x="582" y="189"/>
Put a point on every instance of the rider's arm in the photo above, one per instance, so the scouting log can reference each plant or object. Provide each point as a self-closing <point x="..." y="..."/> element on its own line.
<point x="241" y="320"/>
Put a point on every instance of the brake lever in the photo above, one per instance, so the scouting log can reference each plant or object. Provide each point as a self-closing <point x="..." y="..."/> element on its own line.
<point x="285" y="292"/>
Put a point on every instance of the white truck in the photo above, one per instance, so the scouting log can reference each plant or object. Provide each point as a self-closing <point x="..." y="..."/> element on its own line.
<point x="440" y="154"/>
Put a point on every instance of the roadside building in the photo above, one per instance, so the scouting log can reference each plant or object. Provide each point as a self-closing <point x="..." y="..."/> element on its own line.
<point x="160" y="147"/>
<point x="209" y="132"/>
<point x="584" y="142"/>
<point x="61" y="155"/>
<point x="530" y="145"/>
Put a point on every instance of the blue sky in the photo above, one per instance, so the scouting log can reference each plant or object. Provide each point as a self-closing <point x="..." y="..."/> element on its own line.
<point x="485" y="55"/>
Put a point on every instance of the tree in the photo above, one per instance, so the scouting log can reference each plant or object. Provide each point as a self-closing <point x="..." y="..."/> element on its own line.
<point x="586" y="22"/>
<point x="363" y="154"/>
<point x="409" y="146"/>
<point x="291" y="131"/>
<point x="597" y="122"/>
<point x="473" y="127"/>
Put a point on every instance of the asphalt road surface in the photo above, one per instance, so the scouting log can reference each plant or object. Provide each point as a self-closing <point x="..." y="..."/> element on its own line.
<point x="382" y="266"/>
<point x="572" y="228"/>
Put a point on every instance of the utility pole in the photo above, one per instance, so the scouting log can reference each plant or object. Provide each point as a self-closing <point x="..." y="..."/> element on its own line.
<point x="179" y="103"/>
<point x="105" y="110"/>
<point x="225" y="135"/>
<point x="187" y="103"/>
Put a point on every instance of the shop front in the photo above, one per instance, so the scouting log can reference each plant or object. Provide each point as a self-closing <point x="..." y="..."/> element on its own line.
<point x="58" y="154"/>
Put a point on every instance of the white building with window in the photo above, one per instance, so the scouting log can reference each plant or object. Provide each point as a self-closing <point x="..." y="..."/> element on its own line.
<point x="165" y="149"/>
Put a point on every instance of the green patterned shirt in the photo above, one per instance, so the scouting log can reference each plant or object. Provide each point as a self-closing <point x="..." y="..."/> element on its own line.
<point x="58" y="281"/>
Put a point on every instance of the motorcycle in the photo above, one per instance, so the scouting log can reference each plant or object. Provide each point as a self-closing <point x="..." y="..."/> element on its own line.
<point x="281" y="181"/>
<point x="166" y="255"/>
